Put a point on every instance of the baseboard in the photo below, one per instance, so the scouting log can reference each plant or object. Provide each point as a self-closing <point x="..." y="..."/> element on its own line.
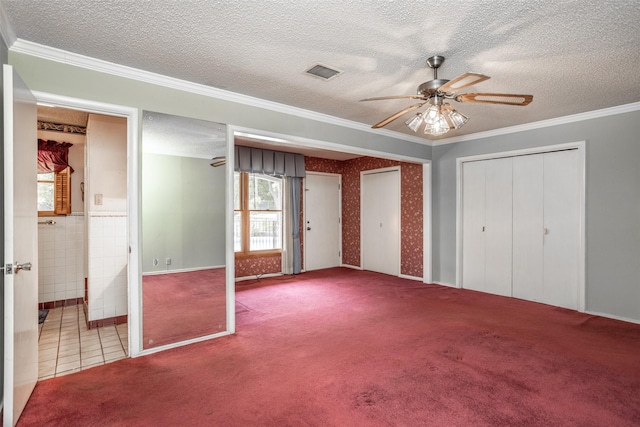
<point x="60" y="303"/>
<point x="109" y="321"/>
<point x="404" y="276"/>
<point x="258" y="276"/>
<point x="182" y="270"/>
<point x="614" y="317"/>
<point x="355" y="267"/>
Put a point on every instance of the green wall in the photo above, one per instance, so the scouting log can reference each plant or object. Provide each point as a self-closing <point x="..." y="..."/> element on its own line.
<point x="183" y="213"/>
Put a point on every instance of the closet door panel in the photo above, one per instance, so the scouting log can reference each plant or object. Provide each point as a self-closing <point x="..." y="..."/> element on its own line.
<point x="562" y="228"/>
<point x="380" y="218"/>
<point x="473" y="246"/>
<point x="528" y="227"/>
<point x="498" y="221"/>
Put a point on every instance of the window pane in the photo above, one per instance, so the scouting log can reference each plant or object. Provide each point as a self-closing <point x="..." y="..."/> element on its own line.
<point x="265" y="193"/>
<point x="237" y="232"/>
<point x="265" y="231"/>
<point x="236" y="191"/>
<point x="45" y="176"/>
<point x="45" y="196"/>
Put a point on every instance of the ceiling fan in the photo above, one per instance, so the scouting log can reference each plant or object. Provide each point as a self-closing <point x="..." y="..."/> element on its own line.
<point x="440" y="116"/>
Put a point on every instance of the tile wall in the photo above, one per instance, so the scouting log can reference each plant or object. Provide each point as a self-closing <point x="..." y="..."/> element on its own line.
<point x="61" y="258"/>
<point x="107" y="265"/>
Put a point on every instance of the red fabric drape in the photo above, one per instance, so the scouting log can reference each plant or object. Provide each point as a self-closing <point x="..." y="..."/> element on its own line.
<point x="53" y="156"/>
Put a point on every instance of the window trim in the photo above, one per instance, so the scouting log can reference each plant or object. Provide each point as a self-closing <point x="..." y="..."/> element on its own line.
<point x="245" y="213"/>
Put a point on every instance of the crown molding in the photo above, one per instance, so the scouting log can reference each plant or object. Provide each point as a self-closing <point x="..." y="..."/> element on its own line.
<point x="65" y="57"/>
<point x="589" y="115"/>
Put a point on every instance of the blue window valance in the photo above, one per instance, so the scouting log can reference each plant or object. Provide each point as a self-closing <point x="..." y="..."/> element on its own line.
<point x="268" y="162"/>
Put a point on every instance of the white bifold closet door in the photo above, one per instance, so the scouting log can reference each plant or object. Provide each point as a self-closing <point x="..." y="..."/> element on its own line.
<point x="487" y="207"/>
<point x="546" y="228"/>
<point x="380" y="221"/>
<point x="521" y="227"/>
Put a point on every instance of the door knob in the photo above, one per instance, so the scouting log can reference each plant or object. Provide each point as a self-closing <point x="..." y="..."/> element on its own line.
<point x="26" y="266"/>
<point x="308" y="228"/>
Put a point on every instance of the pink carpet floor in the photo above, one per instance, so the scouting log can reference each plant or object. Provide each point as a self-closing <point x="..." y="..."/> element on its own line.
<point x="342" y="347"/>
<point x="180" y="306"/>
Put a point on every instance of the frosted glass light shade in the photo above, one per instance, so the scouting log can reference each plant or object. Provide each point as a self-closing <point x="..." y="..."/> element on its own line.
<point x="414" y="122"/>
<point x="456" y="118"/>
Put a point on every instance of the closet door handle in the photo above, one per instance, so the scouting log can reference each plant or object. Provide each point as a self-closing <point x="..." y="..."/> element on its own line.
<point x="546" y="231"/>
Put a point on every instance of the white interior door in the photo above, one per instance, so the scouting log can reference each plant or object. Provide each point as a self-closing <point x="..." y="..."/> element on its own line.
<point x="498" y="220"/>
<point x="20" y="246"/>
<point x="380" y="221"/>
<point x="322" y="236"/>
<point x="528" y="227"/>
<point x="561" y="228"/>
<point x="473" y="228"/>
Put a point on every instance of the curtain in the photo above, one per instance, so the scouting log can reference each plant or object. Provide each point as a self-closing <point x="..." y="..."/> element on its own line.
<point x="295" y="224"/>
<point x="53" y="156"/>
<point x="268" y="162"/>
<point x="287" y="228"/>
<point x="291" y="253"/>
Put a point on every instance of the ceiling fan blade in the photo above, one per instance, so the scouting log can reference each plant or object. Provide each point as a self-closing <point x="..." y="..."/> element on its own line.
<point x="381" y="98"/>
<point x="495" y="98"/>
<point x="462" y="81"/>
<point x="396" y="115"/>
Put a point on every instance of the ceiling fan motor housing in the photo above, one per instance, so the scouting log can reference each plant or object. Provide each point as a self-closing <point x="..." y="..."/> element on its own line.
<point x="431" y="87"/>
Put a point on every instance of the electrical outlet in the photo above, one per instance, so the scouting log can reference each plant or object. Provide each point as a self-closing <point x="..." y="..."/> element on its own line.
<point x="167" y="261"/>
<point x="98" y="199"/>
<point x="155" y="261"/>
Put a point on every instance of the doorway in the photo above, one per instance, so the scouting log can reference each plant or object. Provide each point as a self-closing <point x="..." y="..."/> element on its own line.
<point x="110" y="213"/>
<point x="82" y="279"/>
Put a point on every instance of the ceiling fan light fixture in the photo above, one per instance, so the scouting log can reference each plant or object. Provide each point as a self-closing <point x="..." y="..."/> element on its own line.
<point x="437" y="127"/>
<point x="414" y="122"/>
<point x="456" y="118"/>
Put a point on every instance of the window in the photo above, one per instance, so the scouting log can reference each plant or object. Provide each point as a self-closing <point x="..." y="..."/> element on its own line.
<point x="54" y="193"/>
<point x="257" y="217"/>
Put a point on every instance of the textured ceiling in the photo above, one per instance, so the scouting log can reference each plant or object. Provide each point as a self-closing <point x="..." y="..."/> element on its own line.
<point x="62" y="116"/>
<point x="572" y="56"/>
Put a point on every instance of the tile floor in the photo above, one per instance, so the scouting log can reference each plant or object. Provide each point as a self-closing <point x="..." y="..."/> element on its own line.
<point x="66" y="345"/>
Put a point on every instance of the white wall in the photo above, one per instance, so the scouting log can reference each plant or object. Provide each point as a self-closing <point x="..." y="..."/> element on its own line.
<point x="106" y="172"/>
<point x="107" y="163"/>
<point x="61" y="258"/>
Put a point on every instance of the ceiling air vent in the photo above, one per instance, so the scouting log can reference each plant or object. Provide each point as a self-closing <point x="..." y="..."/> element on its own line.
<point x="322" y="72"/>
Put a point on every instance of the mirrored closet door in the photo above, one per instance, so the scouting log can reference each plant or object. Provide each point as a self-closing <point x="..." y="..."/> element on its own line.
<point x="183" y="229"/>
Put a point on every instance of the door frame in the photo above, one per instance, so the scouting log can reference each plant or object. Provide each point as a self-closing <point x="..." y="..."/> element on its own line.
<point x="133" y="201"/>
<point x="398" y="204"/>
<point x="339" y="225"/>
<point x="580" y="147"/>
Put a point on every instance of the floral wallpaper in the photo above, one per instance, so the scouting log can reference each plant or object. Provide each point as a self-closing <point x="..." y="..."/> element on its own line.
<point x="411" y="263"/>
<point x="255" y="266"/>
<point x="411" y="212"/>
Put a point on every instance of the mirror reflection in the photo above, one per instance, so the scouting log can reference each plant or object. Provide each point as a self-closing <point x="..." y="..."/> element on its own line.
<point x="183" y="228"/>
